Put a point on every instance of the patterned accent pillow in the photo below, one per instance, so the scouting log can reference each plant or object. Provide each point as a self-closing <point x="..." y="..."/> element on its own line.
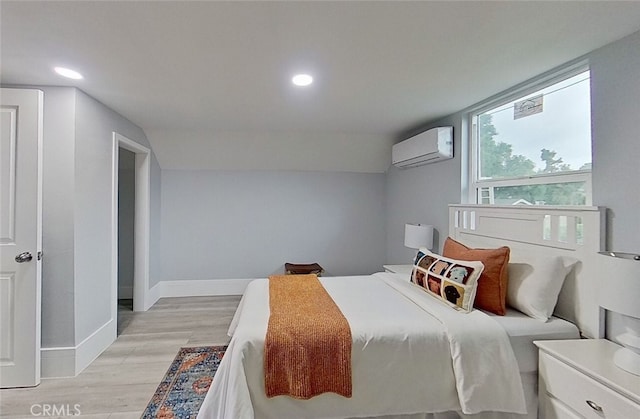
<point x="450" y="280"/>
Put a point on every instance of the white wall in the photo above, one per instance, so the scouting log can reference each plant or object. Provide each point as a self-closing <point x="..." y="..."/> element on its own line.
<point x="615" y="75"/>
<point x="95" y="124"/>
<point x="155" y="268"/>
<point x="247" y="224"/>
<point x="616" y="150"/>
<point x="58" y="321"/>
<point x="421" y="195"/>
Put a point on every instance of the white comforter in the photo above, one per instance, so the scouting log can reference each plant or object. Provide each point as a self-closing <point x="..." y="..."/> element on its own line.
<point x="411" y="353"/>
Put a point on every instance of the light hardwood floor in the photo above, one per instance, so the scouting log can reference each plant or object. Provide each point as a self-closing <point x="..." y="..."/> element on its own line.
<point x="121" y="381"/>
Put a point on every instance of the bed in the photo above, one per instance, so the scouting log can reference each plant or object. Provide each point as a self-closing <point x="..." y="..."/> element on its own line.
<point x="415" y="357"/>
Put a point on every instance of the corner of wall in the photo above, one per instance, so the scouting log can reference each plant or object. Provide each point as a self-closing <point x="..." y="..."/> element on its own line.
<point x="72" y="360"/>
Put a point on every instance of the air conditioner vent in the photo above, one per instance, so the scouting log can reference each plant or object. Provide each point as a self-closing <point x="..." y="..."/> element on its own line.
<point x="428" y="147"/>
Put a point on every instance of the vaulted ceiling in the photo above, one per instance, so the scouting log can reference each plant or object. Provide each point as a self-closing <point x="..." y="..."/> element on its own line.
<point x="210" y="82"/>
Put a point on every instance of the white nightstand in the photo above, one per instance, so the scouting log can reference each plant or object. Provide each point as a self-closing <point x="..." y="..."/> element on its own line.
<point x="398" y="269"/>
<point x="578" y="379"/>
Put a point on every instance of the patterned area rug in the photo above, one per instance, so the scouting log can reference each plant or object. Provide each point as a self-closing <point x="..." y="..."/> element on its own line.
<point x="185" y="384"/>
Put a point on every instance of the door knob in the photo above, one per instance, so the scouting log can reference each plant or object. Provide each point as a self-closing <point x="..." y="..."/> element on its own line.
<point x="24" y="257"/>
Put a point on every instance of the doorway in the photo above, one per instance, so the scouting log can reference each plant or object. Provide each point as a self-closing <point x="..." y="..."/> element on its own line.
<point x="126" y="236"/>
<point x="134" y="245"/>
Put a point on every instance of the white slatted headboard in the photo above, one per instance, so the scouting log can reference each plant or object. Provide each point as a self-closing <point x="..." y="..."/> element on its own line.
<point x="577" y="232"/>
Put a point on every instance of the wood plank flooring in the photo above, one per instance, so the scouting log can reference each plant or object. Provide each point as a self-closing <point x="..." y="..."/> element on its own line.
<point x="121" y="381"/>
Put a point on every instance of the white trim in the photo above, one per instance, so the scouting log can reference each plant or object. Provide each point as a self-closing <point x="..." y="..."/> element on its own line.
<point x="202" y="287"/>
<point x="539" y="179"/>
<point x="142" y="223"/>
<point x="195" y="288"/>
<point x="472" y="158"/>
<point x="114" y="228"/>
<point x="91" y="347"/>
<point x="153" y="296"/>
<point x="465" y="152"/>
<point x="71" y="360"/>
<point x="40" y="175"/>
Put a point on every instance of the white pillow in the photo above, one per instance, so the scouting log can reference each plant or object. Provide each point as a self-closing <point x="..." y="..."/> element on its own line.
<point x="534" y="286"/>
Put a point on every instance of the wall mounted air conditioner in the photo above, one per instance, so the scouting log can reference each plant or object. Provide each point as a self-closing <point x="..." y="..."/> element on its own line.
<point x="428" y="147"/>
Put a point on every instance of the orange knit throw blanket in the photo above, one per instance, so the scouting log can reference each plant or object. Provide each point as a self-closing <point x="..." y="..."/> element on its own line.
<point x="308" y="343"/>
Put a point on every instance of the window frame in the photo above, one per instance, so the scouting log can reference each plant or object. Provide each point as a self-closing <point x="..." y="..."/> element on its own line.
<point x="476" y="185"/>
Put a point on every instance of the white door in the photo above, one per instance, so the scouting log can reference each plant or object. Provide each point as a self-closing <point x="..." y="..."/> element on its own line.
<point x="20" y="236"/>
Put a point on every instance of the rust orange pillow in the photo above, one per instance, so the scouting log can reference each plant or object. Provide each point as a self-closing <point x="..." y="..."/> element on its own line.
<point x="491" y="294"/>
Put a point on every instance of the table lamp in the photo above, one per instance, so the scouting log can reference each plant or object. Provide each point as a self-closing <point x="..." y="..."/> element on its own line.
<point x="418" y="235"/>
<point x="620" y="275"/>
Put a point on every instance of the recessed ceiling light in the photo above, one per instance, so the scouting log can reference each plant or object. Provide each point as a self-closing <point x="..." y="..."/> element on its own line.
<point x="68" y="73"/>
<point x="302" y="79"/>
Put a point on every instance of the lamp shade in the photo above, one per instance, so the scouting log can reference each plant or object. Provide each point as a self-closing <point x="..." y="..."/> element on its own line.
<point x="418" y="235"/>
<point x="619" y="275"/>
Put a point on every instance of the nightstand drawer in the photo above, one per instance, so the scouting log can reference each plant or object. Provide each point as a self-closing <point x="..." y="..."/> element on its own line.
<point x="554" y="408"/>
<point x="575" y="389"/>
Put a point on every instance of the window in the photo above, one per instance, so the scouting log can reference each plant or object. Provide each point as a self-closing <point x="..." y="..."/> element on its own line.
<point x="534" y="148"/>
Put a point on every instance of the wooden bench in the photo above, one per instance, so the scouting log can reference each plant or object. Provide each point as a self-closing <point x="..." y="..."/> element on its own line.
<point x="302" y="269"/>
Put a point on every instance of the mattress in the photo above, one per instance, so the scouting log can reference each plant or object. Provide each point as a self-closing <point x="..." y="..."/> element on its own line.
<point x="523" y="330"/>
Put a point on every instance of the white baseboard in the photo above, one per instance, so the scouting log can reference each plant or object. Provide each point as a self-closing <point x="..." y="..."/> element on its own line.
<point x="203" y="287"/>
<point x="91" y="347"/>
<point x="152" y="295"/>
<point x="70" y="361"/>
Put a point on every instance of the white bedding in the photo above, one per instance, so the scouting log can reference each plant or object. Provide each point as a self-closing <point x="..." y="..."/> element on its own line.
<point x="523" y="330"/>
<point x="410" y="354"/>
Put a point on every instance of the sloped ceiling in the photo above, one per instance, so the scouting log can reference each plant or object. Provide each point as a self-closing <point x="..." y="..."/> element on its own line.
<point x="209" y="82"/>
